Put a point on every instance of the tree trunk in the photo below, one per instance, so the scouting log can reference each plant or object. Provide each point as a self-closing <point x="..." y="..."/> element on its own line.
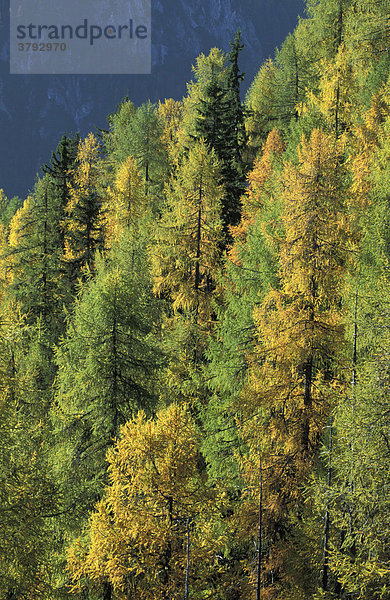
<point x="167" y="555"/>
<point x="198" y="241"/>
<point x="354" y="355"/>
<point x="107" y="591"/>
<point x="260" y="533"/>
<point x="115" y="374"/>
<point x="197" y="268"/>
<point x="307" y="402"/>
<point x="296" y="114"/>
<point x="44" y="265"/>
<point x="187" y="581"/>
<point x="340" y="25"/>
<point x="325" y="564"/>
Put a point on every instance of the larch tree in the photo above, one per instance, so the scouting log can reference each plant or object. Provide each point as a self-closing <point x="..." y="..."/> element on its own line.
<point x="337" y="96"/>
<point x="260" y="106"/>
<point x="28" y="495"/>
<point x="138" y="534"/>
<point x="19" y="240"/>
<point x="186" y="252"/>
<point x="83" y="223"/>
<point x="170" y="113"/>
<point x="116" y="139"/>
<point x="294" y="381"/>
<point x="190" y="233"/>
<point x="327" y="25"/>
<point x="146" y="143"/>
<point x="138" y="132"/>
<point x="250" y="268"/>
<point x="274" y="98"/>
<point x="8" y="207"/>
<point x="38" y="248"/>
<point x="368" y="33"/>
<point x="107" y="366"/>
<point x="206" y="68"/>
<point x="359" y="504"/>
<point x="293" y="77"/>
<point x="125" y="203"/>
<point x="36" y="244"/>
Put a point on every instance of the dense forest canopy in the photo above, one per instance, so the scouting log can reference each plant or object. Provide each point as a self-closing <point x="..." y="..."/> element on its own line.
<point x="194" y="337"/>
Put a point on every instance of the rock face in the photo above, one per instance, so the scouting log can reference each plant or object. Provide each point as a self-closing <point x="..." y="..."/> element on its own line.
<point x="35" y="110"/>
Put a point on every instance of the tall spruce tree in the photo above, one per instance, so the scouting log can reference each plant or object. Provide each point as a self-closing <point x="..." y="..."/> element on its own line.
<point x="60" y="169"/>
<point x="220" y="122"/>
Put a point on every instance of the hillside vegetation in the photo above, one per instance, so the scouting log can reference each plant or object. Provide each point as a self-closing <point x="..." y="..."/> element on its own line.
<point x="195" y="337"/>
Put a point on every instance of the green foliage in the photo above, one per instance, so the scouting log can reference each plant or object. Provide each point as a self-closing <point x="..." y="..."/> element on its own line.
<point x="359" y="555"/>
<point x="83" y="223"/>
<point x="245" y="411"/>
<point x="138" y="132"/>
<point x="27" y="494"/>
<point x="213" y="111"/>
<point x="8" y="207"/>
<point x="185" y="261"/>
<point x="250" y="269"/>
<point x="106" y="365"/>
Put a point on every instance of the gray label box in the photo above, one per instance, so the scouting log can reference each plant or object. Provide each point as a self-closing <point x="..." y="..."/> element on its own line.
<point x="84" y="37"/>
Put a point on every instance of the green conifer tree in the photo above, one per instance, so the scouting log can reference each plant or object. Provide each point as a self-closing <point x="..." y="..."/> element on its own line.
<point x="220" y="122"/>
<point x="28" y="496"/>
<point x="186" y="258"/>
<point x="106" y="364"/>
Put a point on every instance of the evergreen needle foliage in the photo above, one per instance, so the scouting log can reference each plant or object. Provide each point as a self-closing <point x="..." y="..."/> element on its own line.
<point x="194" y="337"/>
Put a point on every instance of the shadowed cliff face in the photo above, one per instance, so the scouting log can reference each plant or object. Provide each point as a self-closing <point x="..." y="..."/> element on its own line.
<point x="36" y="110"/>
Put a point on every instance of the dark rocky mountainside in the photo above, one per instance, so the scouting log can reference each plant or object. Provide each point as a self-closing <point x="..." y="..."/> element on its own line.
<point x="35" y="110"/>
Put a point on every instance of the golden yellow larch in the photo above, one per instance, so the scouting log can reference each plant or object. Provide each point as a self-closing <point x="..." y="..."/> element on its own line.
<point x="293" y="380"/>
<point x="126" y="202"/>
<point x="170" y="113"/>
<point x="138" y="532"/>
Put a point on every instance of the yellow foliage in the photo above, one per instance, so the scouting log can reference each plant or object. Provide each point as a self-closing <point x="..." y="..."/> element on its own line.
<point x="292" y="383"/>
<point x="260" y="103"/>
<point x="21" y="227"/>
<point x="137" y="534"/>
<point x="170" y="113"/>
<point x="366" y="140"/>
<point x="5" y="275"/>
<point x="186" y="256"/>
<point x="21" y="223"/>
<point x="83" y="226"/>
<point x="338" y="87"/>
<point x="85" y="172"/>
<point x="258" y="178"/>
<point x="126" y="202"/>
